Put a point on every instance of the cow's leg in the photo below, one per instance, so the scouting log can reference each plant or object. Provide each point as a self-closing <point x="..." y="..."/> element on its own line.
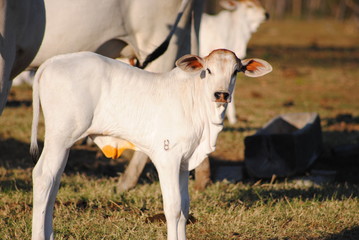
<point x="184" y="204"/>
<point x="46" y="181"/>
<point x="202" y="175"/>
<point x="133" y="171"/>
<point x="169" y="175"/>
<point x="231" y="111"/>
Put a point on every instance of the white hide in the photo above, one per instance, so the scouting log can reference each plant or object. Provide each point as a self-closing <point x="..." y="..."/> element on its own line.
<point x="25" y="77"/>
<point x="172" y="117"/>
<point x="231" y="28"/>
<point x="22" y="25"/>
<point x="118" y="29"/>
<point x="109" y="27"/>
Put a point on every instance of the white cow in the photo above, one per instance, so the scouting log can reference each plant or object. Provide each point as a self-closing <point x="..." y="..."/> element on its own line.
<point x="173" y="117"/>
<point x="231" y="28"/>
<point x="114" y="26"/>
<point x="121" y="29"/>
<point x="22" y="25"/>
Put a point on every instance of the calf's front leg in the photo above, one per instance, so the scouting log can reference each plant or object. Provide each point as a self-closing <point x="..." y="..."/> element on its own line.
<point x="184" y="174"/>
<point x="174" y="187"/>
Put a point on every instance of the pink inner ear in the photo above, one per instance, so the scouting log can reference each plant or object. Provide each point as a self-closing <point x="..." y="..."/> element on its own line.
<point x="253" y="65"/>
<point x="193" y="63"/>
<point x="233" y="4"/>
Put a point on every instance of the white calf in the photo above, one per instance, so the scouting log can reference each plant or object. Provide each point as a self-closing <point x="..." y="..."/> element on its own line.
<point x="231" y="28"/>
<point x="172" y="117"/>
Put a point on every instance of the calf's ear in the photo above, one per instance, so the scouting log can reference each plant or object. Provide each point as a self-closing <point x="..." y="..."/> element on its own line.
<point x="229" y="5"/>
<point x="255" y="67"/>
<point x="190" y="63"/>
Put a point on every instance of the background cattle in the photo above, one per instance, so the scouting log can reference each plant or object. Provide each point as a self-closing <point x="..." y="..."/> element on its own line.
<point x="22" y="25"/>
<point x="121" y="28"/>
<point x="118" y="28"/>
<point x="231" y="28"/>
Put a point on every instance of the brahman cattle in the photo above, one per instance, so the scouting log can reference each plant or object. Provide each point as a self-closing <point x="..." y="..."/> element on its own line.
<point x="22" y="25"/>
<point x="173" y="117"/>
<point x="231" y="28"/>
<point x="121" y="28"/>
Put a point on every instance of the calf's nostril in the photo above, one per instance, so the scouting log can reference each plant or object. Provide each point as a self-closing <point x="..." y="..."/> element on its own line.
<point x="267" y="15"/>
<point x="217" y="95"/>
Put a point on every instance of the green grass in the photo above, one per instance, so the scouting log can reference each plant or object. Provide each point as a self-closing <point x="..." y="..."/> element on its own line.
<point x="316" y="68"/>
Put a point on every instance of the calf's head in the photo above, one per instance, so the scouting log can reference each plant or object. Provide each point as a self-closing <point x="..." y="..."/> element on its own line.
<point x="218" y="71"/>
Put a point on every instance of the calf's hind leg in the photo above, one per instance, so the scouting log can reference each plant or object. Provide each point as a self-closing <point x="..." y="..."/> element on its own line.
<point x="46" y="181"/>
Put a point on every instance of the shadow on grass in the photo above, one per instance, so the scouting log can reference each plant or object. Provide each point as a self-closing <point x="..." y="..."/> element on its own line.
<point x="346" y="234"/>
<point x="269" y="195"/>
<point x="346" y="118"/>
<point x="17" y="103"/>
<point x="14" y="155"/>
<point x="15" y="184"/>
<point x="239" y="129"/>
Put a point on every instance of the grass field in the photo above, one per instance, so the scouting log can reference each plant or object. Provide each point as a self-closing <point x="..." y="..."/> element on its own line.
<point x="316" y="69"/>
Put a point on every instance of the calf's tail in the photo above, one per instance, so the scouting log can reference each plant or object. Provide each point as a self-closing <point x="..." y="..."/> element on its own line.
<point x="34" y="149"/>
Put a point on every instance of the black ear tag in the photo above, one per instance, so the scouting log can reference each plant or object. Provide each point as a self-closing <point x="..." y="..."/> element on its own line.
<point x="243" y="68"/>
<point x="203" y="74"/>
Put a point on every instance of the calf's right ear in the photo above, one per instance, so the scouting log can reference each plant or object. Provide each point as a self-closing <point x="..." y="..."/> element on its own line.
<point x="255" y="67"/>
<point x="190" y="63"/>
<point x="229" y="5"/>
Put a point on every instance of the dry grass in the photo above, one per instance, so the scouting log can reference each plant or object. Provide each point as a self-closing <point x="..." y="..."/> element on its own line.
<point x="87" y="208"/>
<point x="316" y="68"/>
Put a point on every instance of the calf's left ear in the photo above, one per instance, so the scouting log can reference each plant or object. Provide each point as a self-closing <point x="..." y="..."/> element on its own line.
<point x="190" y="63"/>
<point x="255" y="67"/>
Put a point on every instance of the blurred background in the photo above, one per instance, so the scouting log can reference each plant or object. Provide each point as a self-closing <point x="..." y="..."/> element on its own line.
<point x="304" y="9"/>
<point x="314" y="49"/>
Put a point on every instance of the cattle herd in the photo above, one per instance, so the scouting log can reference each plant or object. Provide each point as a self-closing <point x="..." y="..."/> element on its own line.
<point x="172" y="111"/>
